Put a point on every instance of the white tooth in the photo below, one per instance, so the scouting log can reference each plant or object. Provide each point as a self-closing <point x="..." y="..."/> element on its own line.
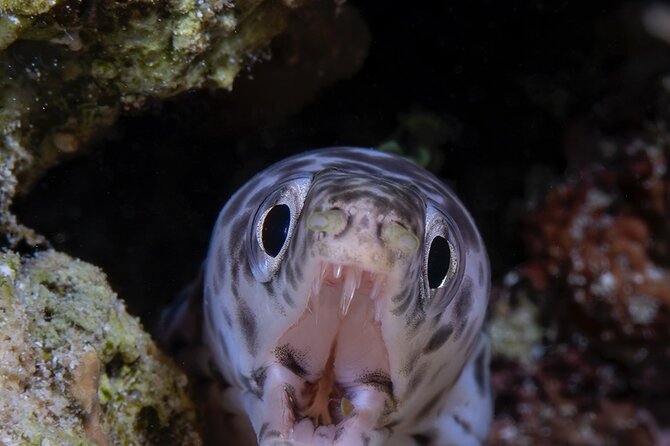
<point x="358" y="275"/>
<point x="337" y="271"/>
<point x="316" y="283"/>
<point x="348" y="293"/>
<point x="377" y="288"/>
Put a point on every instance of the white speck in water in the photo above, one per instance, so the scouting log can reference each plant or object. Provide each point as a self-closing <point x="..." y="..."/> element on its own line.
<point x="598" y="199"/>
<point x="604" y="285"/>
<point x="642" y="308"/>
<point x="511" y="279"/>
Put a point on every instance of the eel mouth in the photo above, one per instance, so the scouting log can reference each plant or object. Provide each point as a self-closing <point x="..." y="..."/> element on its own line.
<point x="333" y="364"/>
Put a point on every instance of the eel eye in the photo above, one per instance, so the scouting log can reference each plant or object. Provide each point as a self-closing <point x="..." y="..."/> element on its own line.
<point x="274" y="232"/>
<point x="439" y="262"/>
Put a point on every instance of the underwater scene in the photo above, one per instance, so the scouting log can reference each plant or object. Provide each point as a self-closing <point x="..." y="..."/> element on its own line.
<point x="328" y="222"/>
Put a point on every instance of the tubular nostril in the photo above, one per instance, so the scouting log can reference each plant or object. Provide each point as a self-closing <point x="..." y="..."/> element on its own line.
<point x="332" y="221"/>
<point x="400" y="238"/>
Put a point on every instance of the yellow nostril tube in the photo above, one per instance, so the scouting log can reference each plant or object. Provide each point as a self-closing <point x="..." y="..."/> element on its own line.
<point x="397" y="237"/>
<point x="331" y="222"/>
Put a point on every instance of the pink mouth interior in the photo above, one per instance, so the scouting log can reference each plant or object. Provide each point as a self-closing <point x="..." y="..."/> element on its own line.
<point x="340" y="340"/>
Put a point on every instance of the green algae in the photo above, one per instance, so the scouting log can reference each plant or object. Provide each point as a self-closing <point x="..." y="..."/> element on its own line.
<point x="75" y="368"/>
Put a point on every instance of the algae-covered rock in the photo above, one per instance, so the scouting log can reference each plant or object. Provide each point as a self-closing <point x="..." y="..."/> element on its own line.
<point x="75" y="368"/>
<point x="67" y="68"/>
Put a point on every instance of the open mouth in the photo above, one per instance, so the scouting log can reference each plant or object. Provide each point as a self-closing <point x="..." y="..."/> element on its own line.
<point x="333" y="360"/>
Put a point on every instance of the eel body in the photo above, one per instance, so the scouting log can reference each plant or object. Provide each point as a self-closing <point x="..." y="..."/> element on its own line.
<point x="343" y="299"/>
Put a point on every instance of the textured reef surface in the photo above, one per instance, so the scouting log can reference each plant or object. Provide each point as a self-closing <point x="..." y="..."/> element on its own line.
<point x="75" y="368"/>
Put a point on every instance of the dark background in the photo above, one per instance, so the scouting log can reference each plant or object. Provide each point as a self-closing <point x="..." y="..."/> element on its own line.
<point x="512" y="81"/>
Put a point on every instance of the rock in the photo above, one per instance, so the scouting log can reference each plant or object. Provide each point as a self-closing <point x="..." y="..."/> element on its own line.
<point x="75" y="368"/>
<point x="68" y="69"/>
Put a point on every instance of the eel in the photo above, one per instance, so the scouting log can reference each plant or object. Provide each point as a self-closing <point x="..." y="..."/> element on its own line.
<point x="341" y="302"/>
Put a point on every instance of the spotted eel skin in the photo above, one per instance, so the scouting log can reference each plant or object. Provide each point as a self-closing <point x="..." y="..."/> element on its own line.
<point x="343" y="299"/>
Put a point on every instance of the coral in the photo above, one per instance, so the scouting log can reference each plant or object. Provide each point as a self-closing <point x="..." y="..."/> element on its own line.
<point x="75" y="368"/>
<point x="604" y="237"/>
<point x="69" y="68"/>
<point x="596" y="285"/>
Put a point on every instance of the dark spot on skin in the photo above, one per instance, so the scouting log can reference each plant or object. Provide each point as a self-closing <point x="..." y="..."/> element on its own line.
<point x="428" y="407"/>
<point x="238" y="230"/>
<point x="422" y="439"/>
<point x="402" y="308"/>
<point x="227" y="318"/>
<point x="392" y="424"/>
<point x="298" y="272"/>
<point x="416" y="314"/>
<point x="398" y="298"/>
<point x="464" y="424"/>
<point x="480" y="274"/>
<point x="269" y="434"/>
<point x="235" y="267"/>
<point x="290" y="392"/>
<point x="416" y="379"/>
<point x="411" y="362"/>
<point x="290" y="359"/>
<point x="287" y="298"/>
<point x="263" y="431"/>
<point x="248" y="326"/>
<point x="418" y="317"/>
<point x="365" y="439"/>
<point x="338" y="433"/>
<point x="464" y="300"/>
<point x="379" y="380"/>
<point x="269" y="288"/>
<point x="233" y="205"/>
<point x="234" y="290"/>
<point x="258" y="376"/>
<point x="288" y="274"/>
<point x="438" y="339"/>
<point x="247" y="384"/>
<point x="435" y="320"/>
<point x="480" y="372"/>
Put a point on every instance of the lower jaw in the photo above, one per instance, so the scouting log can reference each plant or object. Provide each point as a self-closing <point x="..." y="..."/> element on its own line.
<point x="334" y="404"/>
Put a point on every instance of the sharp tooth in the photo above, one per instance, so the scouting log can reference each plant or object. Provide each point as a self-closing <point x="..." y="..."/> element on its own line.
<point x="337" y="271"/>
<point x="358" y="276"/>
<point x="348" y="293"/>
<point x="377" y="288"/>
<point x="316" y="282"/>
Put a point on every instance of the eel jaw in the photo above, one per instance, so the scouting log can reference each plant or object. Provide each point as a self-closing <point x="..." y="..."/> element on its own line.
<point x="332" y="405"/>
